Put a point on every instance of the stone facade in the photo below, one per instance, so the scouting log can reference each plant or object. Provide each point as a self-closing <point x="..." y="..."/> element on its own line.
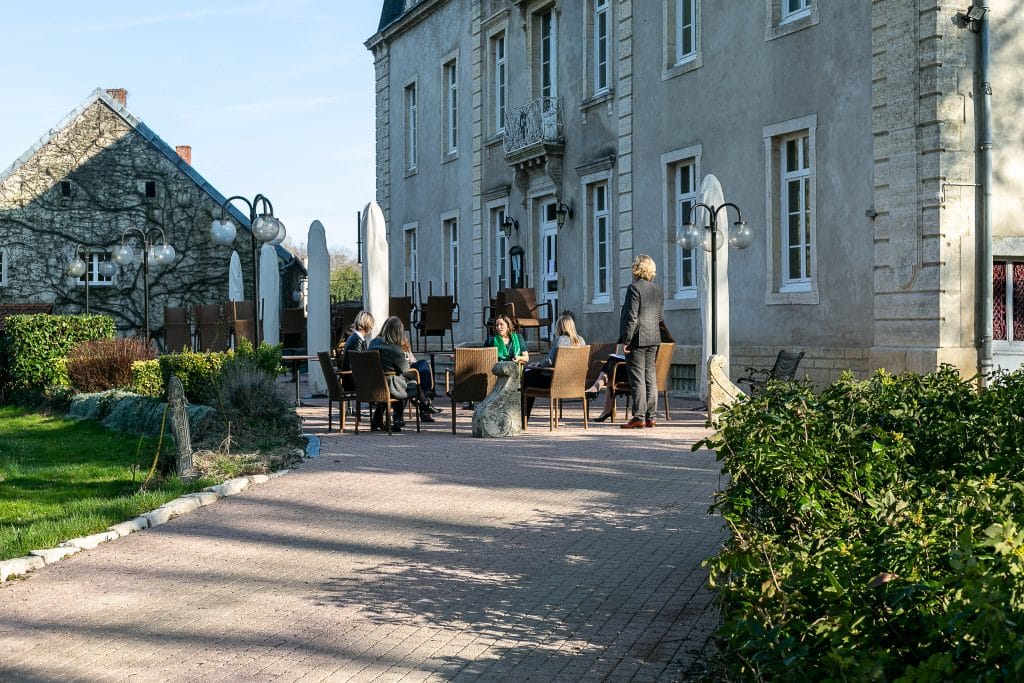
<point x="880" y="94"/>
<point x="98" y="174"/>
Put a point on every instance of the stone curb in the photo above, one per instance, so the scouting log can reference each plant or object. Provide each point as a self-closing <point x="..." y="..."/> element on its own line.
<point x="182" y="505"/>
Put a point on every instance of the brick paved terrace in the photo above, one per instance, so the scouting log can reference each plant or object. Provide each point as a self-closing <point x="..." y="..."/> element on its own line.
<point x="566" y="556"/>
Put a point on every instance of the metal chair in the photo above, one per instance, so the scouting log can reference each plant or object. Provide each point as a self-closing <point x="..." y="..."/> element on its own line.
<point x="241" y="317"/>
<point x="293" y="328"/>
<point x="471" y="378"/>
<point x="336" y="393"/>
<point x="784" y="370"/>
<point x="598" y="357"/>
<point x="438" y="315"/>
<point x="568" y="381"/>
<point x="177" y="330"/>
<point x="618" y="381"/>
<point x="371" y="384"/>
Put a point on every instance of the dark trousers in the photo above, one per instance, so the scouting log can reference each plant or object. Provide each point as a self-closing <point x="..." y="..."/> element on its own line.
<point x="537" y="378"/>
<point x="426" y="377"/>
<point x="643" y="380"/>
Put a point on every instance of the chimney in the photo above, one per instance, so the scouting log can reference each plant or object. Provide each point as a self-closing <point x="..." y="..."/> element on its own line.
<point x="119" y="94"/>
<point x="185" y="152"/>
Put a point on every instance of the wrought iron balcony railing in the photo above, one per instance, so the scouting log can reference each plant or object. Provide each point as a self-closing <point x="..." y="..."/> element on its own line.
<point x="538" y="122"/>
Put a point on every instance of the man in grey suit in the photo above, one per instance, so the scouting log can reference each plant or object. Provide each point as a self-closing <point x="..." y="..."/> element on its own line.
<point x="640" y="332"/>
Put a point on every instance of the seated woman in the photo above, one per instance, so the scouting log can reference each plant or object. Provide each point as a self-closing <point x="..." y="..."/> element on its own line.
<point x="425" y="399"/>
<point x="358" y="340"/>
<point x="510" y="344"/>
<point x="539" y="375"/>
<point x="393" y="359"/>
<point x="602" y="380"/>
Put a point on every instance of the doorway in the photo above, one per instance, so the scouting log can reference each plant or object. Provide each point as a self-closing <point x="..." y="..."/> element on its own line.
<point x="549" y="257"/>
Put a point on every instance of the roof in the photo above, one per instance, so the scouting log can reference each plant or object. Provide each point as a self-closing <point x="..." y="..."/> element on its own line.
<point x="391" y="10"/>
<point x="101" y="95"/>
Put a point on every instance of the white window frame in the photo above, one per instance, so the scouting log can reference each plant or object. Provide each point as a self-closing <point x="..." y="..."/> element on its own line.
<point x="499" y="77"/>
<point x="450" y="235"/>
<point x="594" y="301"/>
<point x="500" y="245"/>
<point x="685" y="31"/>
<point x="410" y="126"/>
<point x="600" y="218"/>
<point x="547" y="68"/>
<point x="411" y="252"/>
<point x="678" y="296"/>
<point x="602" y="29"/>
<point x="783" y="286"/>
<point x="683" y="199"/>
<point x="92" y="260"/>
<point x="5" y="257"/>
<point x="451" y="106"/>
<point x="781" y="21"/>
<point x="789" y="14"/>
<point x="676" y="60"/>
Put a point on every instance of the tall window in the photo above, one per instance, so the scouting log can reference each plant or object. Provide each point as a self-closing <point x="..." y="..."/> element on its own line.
<point x="547" y="51"/>
<point x="411" y="261"/>
<point x="451" y="107"/>
<point x="500" y="272"/>
<point x="600" y="222"/>
<point x="601" y="38"/>
<point x="794" y="9"/>
<point x="410" y="126"/>
<point x="451" y="236"/>
<point x="1008" y="301"/>
<point x="498" y="78"/>
<point x="795" y="211"/>
<point x="686" y="30"/>
<point x="685" y="196"/>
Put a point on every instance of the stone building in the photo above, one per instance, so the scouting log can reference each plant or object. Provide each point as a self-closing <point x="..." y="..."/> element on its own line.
<point x="102" y="178"/>
<point x="844" y="132"/>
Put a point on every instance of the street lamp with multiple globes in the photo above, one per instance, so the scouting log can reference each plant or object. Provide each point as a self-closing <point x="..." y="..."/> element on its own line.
<point x="159" y="253"/>
<point x="709" y="237"/>
<point x="264" y="228"/>
<point x="77" y="267"/>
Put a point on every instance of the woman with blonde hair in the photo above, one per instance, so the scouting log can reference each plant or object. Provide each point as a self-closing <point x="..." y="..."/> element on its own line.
<point x="393" y="359"/>
<point x="539" y="375"/>
<point x="640" y="334"/>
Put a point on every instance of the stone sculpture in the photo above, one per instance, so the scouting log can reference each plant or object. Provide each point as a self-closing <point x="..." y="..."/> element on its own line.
<point x="500" y="414"/>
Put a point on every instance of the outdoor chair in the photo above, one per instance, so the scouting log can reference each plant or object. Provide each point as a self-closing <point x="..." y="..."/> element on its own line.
<point x="371" y="385"/>
<point x="177" y="330"/>
<point x="471" y="379"/>
<point x="598" y="357"/>
<point x="521" y="306"/>
<point x="336" y="393"/>
<point x="568" y="381"/>
<point x="401" y="307"/>
<point x="438" y="315"/>
<point x="293" y="328"/>
<point x="618" y="382"/>
<point x="784" y="370"/>
<point x="241" y="317"/>
<point x="211" y="328"/>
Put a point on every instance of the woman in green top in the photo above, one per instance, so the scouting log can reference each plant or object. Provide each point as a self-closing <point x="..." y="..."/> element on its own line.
<point x="510" y="344"/>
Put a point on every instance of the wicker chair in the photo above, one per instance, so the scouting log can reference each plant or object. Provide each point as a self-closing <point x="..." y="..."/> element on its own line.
<point x="438" y="315"/>
<point x="241" y="316"/>
<point x="293" y="328"/>
<point x="336" y="393"/>
<point x="371" y="384"/>
<point x="784" y="370"/>
<point x="568" y="381"/>
<point x="598" y="357"/>
<point x="521" y="305"/>
<point x="211" y="328"/>
<point x="619" y="379"/>
<point x="177" y="330"/>
<point x="471" y="379"/>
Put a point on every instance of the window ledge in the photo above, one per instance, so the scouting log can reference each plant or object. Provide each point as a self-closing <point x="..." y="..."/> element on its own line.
<point x="682" y="304"/>
<point x="604" y="307"/>
<point x="409" y="172"/>
<point x="686" y="66"/>
<point x="600" y="98"/>
<point x="792" y="25"/>
<point x="449" y="156"/>
<point x="782" y="298"/>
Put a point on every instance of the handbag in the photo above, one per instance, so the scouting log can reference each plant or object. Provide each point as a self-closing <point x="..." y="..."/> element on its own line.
<point x="397" y="386"/>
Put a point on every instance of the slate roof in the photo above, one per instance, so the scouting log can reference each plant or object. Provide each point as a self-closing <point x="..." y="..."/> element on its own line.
<point x="391" y="10"/>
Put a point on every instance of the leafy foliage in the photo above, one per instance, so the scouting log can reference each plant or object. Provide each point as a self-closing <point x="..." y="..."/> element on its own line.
<point x="102" y="364"/>
<point x="256" y="413"/>
<point x="877" y="530"/>
<point x="146" y="378"/>
<point x="199" y="373"/>
<point x="33" y="347"/>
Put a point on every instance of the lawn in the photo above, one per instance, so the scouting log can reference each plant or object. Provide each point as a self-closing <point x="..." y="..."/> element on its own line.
<point x="60" y="479"/>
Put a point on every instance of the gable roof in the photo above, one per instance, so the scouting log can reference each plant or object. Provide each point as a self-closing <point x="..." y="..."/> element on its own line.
<point x="156" y="142"/>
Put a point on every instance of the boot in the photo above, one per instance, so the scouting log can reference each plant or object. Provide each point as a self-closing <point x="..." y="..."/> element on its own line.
<point x="377" y="420"/>
<point x="597" y="386"/>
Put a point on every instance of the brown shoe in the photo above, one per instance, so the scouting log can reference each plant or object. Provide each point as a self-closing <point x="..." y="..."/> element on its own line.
<point x="650" y="422"/>
<point x="635" y="423"/>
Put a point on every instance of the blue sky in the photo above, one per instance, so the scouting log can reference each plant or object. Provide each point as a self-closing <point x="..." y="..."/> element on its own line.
<point x="274" y="96"/>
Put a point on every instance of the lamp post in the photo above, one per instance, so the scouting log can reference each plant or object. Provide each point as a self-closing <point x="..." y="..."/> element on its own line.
<point x="740" y="237"/>
<point x="264" y="228"/>
<point x="77" y="267"/>
<point x="160" y="253"/>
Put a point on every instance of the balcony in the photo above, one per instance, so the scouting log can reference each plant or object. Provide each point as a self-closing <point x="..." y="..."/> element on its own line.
<point x="533" y="130"/>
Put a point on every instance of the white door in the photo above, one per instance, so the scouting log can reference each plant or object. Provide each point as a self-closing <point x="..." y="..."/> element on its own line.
<point x="548" y="290"/>
<point x="1008" y="314"/>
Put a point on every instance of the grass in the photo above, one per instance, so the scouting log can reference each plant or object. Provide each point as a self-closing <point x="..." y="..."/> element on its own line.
<point x="60" y="479"/>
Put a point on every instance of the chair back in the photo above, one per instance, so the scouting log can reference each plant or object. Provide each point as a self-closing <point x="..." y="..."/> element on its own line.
<point x="211" y="328"/>
<point x="437" y="314"/>
<point x="177" y="330"/>
<point x="569" y="378"/>
<point x="472" y="376"/>
<point x="401" y="308"/>
<point x="598" y="355"/>
<point x="177" y="315"/>
<point x="334" y="391"/>
<point x="293" y="327"/>
<point x="785" y="366"/>
<point x="368" y="377"/>
<point x="241" y="316"/>
<point x="663" y="364"/>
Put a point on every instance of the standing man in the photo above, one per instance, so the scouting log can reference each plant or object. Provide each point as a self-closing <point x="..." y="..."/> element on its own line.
<point x="640" y="333"/>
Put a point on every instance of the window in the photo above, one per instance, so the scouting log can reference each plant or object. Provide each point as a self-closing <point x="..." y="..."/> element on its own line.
<point x="602" y="71"/>
<point x="410" y="127"/>
<point x="4" y="258"/>
<point x="795" y="9"/>
<point x="547" y="52"/>
<point x="411" y="265"/>
<point x="684" y="196"/>
<point x="150" y="189"/>
<point x="97" y="278"/>
<point x="682" y="37"/>
<point x="600" y="222"/>
<point x="451" y="108"/>
<point x="66" y="189"/>
<point x="1007" y="301"/>
<point x="784" y="17"/>
<point x="686" y="30"/>
<point x="789" y="153"/>
<point x="498" y="80"/>
<point x="500" y="272"/>
<point x="450" y="230"/>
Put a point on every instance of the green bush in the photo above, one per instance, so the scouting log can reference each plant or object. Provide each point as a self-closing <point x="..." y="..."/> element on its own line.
<point x="34" y="347"/>
<point x="146" y="378"/>
<point x="877" y="531"/>
<point x="199" y="374"/>
<point x="266" y="356"/>
<point x="254" y="411"/>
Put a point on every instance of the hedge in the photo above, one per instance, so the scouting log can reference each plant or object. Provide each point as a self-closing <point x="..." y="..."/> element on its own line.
<point x="33" y="347"/>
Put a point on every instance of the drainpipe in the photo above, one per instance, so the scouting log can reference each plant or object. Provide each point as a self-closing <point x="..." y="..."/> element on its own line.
<point x="984" y="137"/>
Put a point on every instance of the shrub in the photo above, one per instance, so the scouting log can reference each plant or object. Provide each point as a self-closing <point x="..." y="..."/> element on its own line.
<point x="146" y="378"/>
<point x="199" y="374"/>
<point x="267" y="356"/>
<point x="875" y="531"/>
<point x="102" y="364"/>
<point x="255" y="413"/>
<point x="34" y="347"/>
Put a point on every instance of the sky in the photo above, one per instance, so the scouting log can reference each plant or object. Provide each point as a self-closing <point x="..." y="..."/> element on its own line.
<point x="274" y="96"/>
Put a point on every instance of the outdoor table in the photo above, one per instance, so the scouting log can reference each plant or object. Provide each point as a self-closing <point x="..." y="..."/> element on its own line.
<point x="294" y="362"/>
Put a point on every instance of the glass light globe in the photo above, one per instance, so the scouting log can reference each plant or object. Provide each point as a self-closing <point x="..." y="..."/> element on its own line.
<point x="123" y="254"/>
<point x="164" y="253"/>
<point x="706" y="243"/>
<point x="740" y="235"/>
<point x="689" y="236"/>
<point x="222" y="232"/>
<point x="76" y="267"/>
<point x="281" y="233"/>
<point x="106" y="268"/>
<point x="265" y="227"/>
